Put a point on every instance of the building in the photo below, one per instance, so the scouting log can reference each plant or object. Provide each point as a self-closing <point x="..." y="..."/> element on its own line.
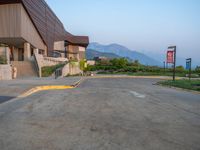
<point x="30" y="26"/>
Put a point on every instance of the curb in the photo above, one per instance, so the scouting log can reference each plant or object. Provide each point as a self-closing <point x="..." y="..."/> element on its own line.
<point x="49" y="87"/>
<point x="78" y="83"/>
<point x="135" y="77"/>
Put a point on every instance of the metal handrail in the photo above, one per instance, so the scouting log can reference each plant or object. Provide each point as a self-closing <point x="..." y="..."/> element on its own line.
<point x="58" y="72"/>
<point x="36" y="65"/>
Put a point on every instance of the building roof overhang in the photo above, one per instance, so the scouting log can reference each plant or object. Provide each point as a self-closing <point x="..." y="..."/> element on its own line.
<point x="72" y="39"/>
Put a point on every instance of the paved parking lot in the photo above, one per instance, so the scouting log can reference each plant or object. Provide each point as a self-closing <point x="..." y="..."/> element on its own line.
<point x="103" y="114"/>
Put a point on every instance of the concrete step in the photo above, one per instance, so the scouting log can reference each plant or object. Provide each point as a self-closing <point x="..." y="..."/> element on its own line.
<point x="24" y="69"/>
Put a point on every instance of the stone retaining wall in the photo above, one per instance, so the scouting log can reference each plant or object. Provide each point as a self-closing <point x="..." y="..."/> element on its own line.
<point x="71" y="69"/>
<point x="5" y="72"/>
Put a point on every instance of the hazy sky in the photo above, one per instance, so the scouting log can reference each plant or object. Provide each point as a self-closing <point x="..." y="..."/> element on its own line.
<point x="142" y="25"/>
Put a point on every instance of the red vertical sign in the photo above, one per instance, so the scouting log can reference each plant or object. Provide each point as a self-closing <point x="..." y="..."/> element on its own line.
<point x="170" y="56"/>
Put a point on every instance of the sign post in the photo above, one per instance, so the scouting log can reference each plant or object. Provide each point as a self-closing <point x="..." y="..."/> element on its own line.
<point x="164" y="66"/>
<point x="171" y="58"/>
<point x="189" y="66"/>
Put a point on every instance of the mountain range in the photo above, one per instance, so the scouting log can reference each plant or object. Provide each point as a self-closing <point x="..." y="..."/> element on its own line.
<point x="116" y="51"/>
<point x="90" y="54"/>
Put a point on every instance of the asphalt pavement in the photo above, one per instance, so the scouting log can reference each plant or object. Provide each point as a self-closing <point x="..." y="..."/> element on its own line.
<point x="103" y="114"/>
<point x="13" y="88"/>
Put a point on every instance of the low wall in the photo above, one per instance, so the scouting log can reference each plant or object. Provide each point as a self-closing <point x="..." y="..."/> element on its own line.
<point x="71" y="69"/>
<point x="47" y="61"/>
<point x="5" y="72"/>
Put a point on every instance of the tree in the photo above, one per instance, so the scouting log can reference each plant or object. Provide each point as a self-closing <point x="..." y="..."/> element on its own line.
<point x="197" y="69"/>
<point x="83" y="65"/>
<point x="119" y="62"/>
<point x="136" y="63"/>
<point x="180" y="69"/>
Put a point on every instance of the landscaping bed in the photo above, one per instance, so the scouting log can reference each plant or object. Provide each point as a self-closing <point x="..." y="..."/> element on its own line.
<point x="49" y="70"/>
<point x="184" y="84"/>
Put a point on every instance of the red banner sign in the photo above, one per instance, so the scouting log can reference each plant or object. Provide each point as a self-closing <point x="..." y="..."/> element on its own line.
<point x="170" y="56"/>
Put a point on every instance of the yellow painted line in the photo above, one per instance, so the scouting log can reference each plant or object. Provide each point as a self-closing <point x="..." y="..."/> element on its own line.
<point x="45" y="88"/>
<point x="50" y="87"/>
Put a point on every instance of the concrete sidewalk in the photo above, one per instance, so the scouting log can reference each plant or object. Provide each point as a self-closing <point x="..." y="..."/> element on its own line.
<point x="14" y="88"/>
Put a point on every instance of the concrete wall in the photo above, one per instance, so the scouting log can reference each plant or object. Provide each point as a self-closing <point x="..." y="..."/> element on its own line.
<point x="2" y="51"/>
<point x="15" y="23"/>
<point x="71" y="69"/>
<point x="10" y="20"/>
<point x="5" y="52"/>
<point x="73" y="56"/>
<point x="91" y="62"/>
<point x="73" y="52"/>
<point x="5" y="72"/>
<point x="29" y="32"/>
<point x="59" y="46"/>
<point x="81" y="52"/>
<point x="73" y="49"/>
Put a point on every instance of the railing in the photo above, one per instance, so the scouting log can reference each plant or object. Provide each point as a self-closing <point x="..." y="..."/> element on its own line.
<point x="41" y="61"/>
<point x="38" y="67"/>
<point x="58" y="72"/>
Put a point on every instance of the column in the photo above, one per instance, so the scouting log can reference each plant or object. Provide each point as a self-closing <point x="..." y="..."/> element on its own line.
<point x="15" y="53"/>
<point x="8" y="55"/>
<point x="27" y="51"/>
<point x="45" y="51"/>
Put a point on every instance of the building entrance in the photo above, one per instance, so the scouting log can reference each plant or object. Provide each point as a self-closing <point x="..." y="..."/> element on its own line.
<point x="20" y="54"/>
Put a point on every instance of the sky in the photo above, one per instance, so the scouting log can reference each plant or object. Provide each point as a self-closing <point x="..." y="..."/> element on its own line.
<point x="148" y="26"/>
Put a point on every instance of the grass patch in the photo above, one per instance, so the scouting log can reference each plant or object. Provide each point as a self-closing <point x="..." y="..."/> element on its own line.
<point x="184" y="84"/>
<point x="49" y="70"/>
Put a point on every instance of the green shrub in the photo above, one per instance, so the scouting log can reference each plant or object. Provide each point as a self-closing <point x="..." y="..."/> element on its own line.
<point x="197" y="69"/>
<point x="83" y="64"/>
<point x="3" y="60"/>
<point x="180" y="69"/>
<point x="130" y="69"/>
<point x="49" y="70"/>
<point x="119" y="62"/>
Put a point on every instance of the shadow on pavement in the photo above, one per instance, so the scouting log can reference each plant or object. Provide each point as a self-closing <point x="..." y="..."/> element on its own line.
<point x="4" y="99"/>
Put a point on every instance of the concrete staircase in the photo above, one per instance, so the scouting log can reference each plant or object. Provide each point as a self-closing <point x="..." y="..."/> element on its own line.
<point x="25" y="69"/>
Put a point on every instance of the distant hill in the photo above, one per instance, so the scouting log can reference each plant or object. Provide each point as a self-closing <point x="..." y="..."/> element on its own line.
<point x="90" y="54"/>
<point x="123" y="51"/>
<point x="180" y="60"/>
